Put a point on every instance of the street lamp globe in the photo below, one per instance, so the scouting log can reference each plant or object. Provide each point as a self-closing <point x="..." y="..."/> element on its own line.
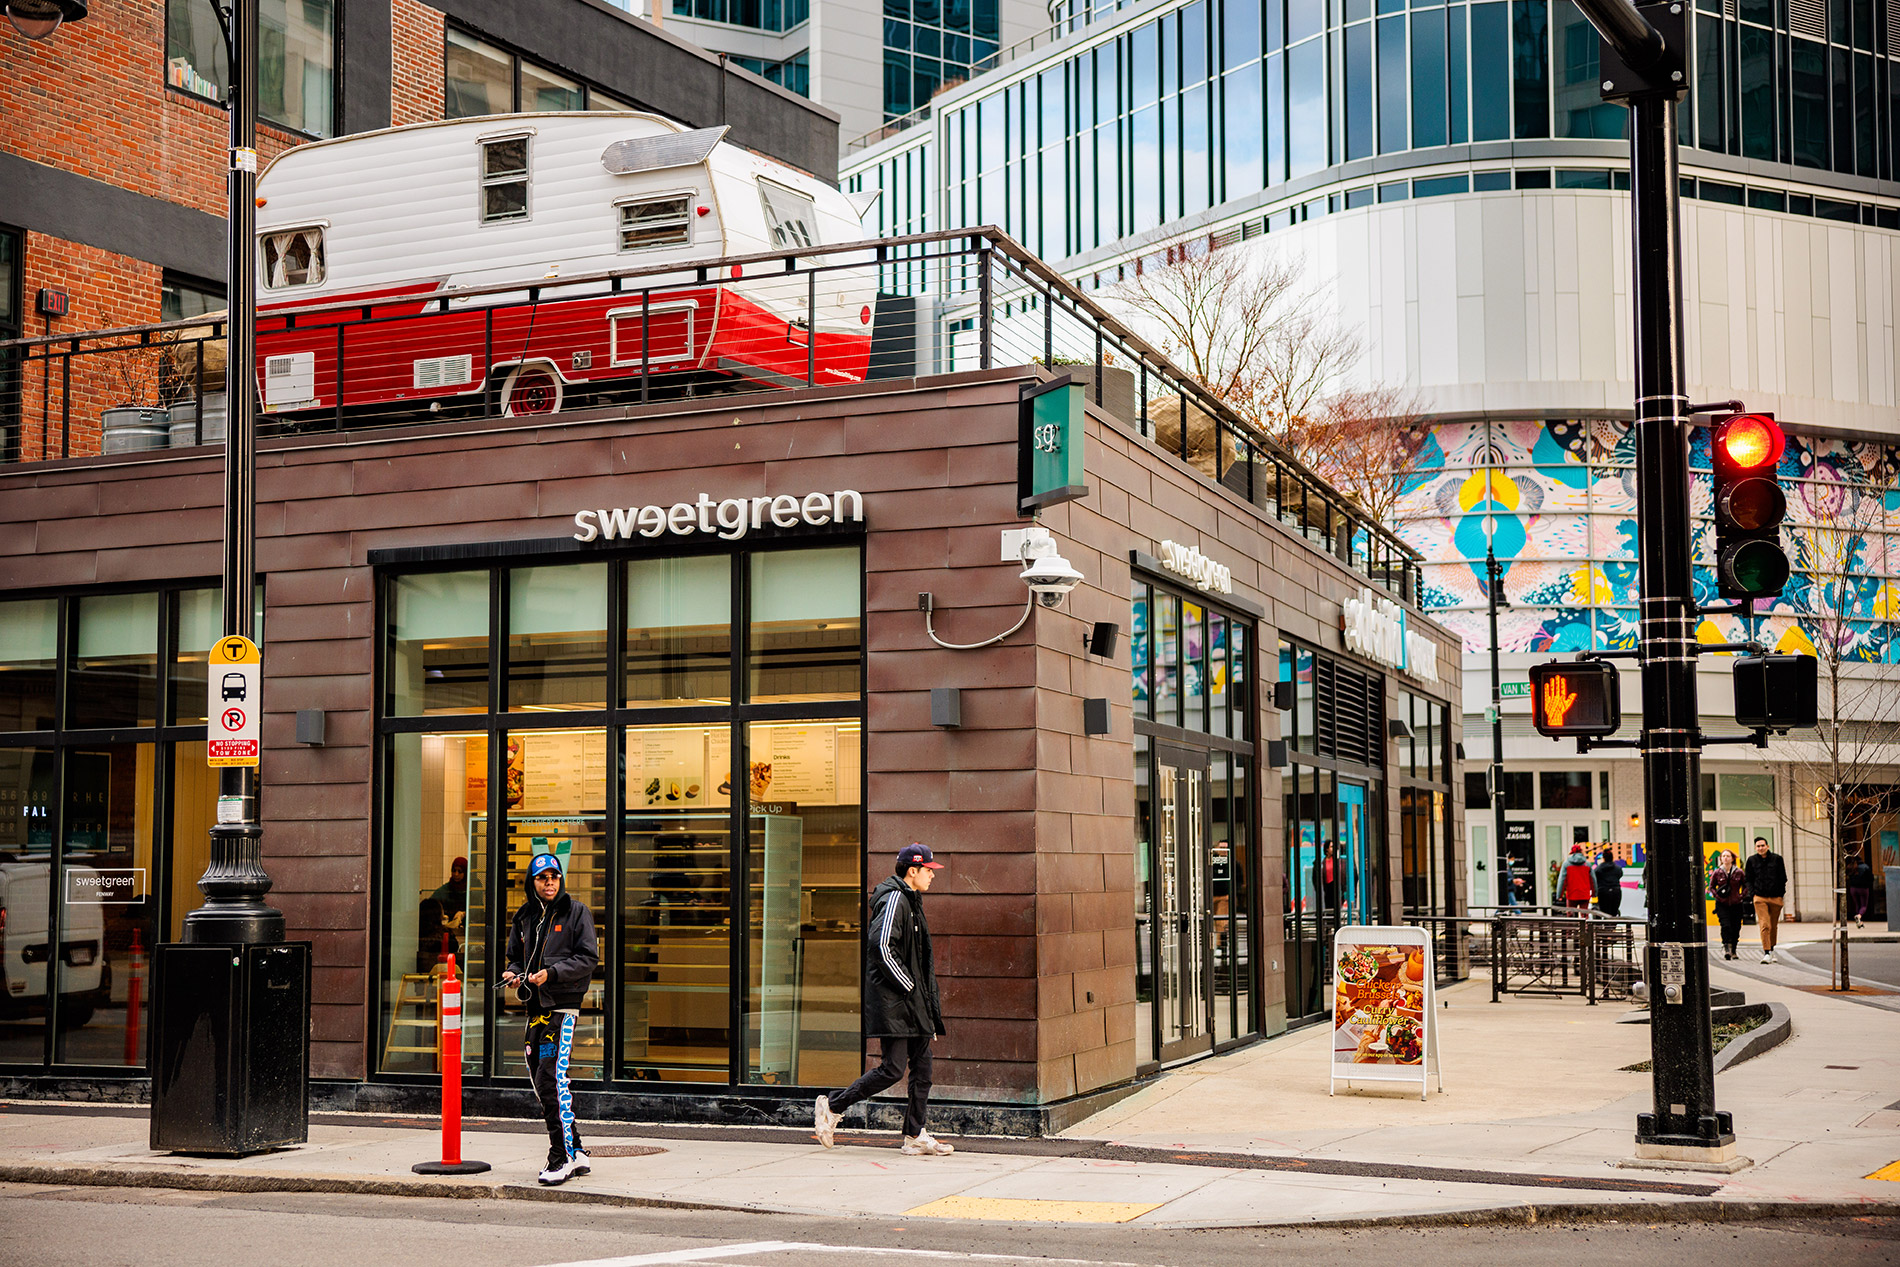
<point x="38" y="19"/>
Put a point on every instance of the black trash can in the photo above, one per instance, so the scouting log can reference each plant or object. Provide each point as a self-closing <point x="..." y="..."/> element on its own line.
<point x="230" y="1047"/>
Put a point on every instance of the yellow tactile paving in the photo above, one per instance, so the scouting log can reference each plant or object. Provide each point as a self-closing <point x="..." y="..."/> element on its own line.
<point x="1015" y="1210"/>
<point x="1889" y="1172"/>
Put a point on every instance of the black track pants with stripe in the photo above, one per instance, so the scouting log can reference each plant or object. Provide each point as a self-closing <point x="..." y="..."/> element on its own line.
<point x="899" y="1051"/>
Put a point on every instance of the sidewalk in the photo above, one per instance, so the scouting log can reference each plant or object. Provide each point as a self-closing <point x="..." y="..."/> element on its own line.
<point x="1534" y="1115"/>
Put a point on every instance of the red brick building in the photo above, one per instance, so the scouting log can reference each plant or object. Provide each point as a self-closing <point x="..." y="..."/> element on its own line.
<point x="112" y="135"/>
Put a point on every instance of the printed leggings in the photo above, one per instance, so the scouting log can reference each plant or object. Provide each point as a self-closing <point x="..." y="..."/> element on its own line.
<point x="550" y="1046"/>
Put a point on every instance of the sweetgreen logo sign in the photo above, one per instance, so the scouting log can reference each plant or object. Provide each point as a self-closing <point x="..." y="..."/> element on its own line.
<point x="1049" y="459"/>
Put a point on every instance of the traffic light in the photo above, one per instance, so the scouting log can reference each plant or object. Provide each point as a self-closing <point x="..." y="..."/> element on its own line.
<point x="1749" y="506"/>
<point x="1576" y="697"/>
<point x="1775" y="692"/>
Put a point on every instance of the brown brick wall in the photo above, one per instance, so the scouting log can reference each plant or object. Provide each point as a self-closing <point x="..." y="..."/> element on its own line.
<point x="415" y="94"/>
<point x="93" y="100"/>
<point x="106" y="290"/>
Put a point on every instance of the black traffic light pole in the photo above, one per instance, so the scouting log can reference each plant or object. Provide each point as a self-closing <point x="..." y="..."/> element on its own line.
<point x="1643" y="67"/>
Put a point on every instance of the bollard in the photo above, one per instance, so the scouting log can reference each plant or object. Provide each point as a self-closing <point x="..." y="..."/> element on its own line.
<point x="134" y="989"/>
<point x="450" y="1011"/>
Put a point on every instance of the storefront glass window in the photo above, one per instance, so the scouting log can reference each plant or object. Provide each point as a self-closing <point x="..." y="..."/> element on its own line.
<point x="1564" y="789"/>
<point x="554" y="796"/>
<point x="803" y="903"/>
<point x="1238" y="677"/>
<point x="806" y="629"/>
<point x="1138" y="644"/>
<point x="107" y="907"/>
<point x="438" y="798"/>
<point x="1217" y="683"/>
<point x="557" y="638"/>
<point x="199" y="615"/>
<point x="1168" y="660"/>
<point x="28" y="784"/>
<point x="29" y="663"/>
<point x="438" y="659"/>
<point x="296" y="53"/>
<point x="477" y="78"/>
<point x="113" y="679"/>
<point x="676" y="903"/>
<point x="1194" y="667"/>
<point x="194" y="809"/>
<point x="679" y="631"/>
<point x="1307" y="740"/>
<point x="1144" y="908"/>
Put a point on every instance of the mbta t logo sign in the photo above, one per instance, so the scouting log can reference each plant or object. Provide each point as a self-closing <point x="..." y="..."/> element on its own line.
<point x="1577" y="697"/>
<point x="234" y="672"/>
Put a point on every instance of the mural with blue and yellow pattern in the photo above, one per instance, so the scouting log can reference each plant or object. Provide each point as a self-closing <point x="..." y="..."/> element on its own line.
<point x="1560" y="501"/>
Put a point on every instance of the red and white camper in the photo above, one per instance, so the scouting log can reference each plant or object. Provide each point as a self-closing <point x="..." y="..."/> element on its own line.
<point x="423" y="266"/>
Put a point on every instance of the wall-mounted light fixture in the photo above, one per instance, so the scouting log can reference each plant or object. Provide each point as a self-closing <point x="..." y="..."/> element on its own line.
<point x="946" y="707"/>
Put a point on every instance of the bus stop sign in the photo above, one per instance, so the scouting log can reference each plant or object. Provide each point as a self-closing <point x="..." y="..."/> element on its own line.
<point x="233" y="677"/>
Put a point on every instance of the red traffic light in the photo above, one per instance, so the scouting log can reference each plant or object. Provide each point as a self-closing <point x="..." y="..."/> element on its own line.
<point x="1749" y="442"/>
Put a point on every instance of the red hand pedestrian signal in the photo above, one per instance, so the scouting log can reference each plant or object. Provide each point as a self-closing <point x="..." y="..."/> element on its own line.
<point x="1558" y="699"/>
<point x="1576" y="697"/>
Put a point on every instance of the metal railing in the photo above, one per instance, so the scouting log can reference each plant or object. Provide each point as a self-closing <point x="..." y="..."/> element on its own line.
<point x="822" y="316"/>
<point x="1557" y="953"/>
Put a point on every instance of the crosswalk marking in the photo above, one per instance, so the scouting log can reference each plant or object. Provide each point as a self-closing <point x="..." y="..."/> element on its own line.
<point x="712" y="1252"/>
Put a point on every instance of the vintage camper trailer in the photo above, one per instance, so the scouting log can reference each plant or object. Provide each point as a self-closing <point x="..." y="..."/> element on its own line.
<point x="421" y="267"/>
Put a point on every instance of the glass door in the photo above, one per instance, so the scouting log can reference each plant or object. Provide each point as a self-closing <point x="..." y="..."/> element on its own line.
<point x="1352" y="883"/>
<point x="1183" y="916"/>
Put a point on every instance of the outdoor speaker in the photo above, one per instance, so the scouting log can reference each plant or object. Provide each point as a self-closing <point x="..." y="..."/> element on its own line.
<point x="1095" y="717"/>
<point x="310" y="726"/>
<point x="1284" y="695"/>
<point x="1102" y="638"/>
<point x="1276" y="752"/>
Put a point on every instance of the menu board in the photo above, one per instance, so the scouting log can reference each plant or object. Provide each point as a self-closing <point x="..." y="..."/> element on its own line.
<point x="795" y="763"/>
<point x="1384" y="1029"/>
<point x="676" y="768"/>
<point x="560" y="771"/>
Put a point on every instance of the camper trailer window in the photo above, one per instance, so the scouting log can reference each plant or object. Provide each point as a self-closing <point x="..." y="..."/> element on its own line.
<point x="293" y="257"/>
<point x="505" y="179"/>
<point x="789" y="215"/>
<point x="655" y="222"/>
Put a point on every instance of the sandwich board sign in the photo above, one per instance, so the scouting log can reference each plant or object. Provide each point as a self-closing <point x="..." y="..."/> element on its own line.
<point x="234" y="675"/>
<point x="1384" y="1028"/>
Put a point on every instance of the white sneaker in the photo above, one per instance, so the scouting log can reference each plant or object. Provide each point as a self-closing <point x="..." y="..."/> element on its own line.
<point x="555" y="1173"/>
<point x="824" y="1121"/>
<point x="1767" y="956"/>
<point x="924" y="1145"/>
<point x="579" y="1164"/>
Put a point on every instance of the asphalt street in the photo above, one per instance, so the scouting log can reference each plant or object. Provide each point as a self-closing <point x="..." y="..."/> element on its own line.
<point x="1869" y="962"/>
<point x="104" y="1227"/>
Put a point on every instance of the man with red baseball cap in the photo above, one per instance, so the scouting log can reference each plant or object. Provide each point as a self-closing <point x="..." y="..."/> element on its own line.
<point x="901" y="1007"/>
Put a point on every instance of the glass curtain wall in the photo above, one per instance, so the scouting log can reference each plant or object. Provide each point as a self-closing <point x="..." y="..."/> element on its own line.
<point x="1195" y="859"/>
<point x="685" y="733"/>
<point x="1333" y="808"/>
<point x="104" y="814"/>
<point x="1428" y="884"/>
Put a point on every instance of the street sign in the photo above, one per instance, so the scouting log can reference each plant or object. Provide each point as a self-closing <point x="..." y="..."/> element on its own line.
<point x="233" y="678"/>
<point x="1514" y="690"/>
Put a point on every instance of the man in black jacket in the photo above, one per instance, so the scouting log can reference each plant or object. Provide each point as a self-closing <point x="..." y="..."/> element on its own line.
<point x="1767" y="878"/>
<point x="901" y="1007"/>
<point x="552" y="952"/>
<point x="1609" y="879"/>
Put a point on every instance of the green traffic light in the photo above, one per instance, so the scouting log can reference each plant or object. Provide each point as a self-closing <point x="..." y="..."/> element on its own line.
<point x="1755" y="569"/>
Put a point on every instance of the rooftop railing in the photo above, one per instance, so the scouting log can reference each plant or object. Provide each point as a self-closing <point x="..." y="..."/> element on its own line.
<point x="822" y="316"/>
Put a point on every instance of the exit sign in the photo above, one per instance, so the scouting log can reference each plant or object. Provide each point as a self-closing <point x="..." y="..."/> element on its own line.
<point x="1514" y="690"/>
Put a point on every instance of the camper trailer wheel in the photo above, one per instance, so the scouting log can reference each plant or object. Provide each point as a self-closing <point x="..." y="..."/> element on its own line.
<point x="530" y="390"/>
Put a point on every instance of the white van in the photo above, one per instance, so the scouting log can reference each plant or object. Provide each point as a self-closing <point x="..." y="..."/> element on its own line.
<point x="85" y="977"/>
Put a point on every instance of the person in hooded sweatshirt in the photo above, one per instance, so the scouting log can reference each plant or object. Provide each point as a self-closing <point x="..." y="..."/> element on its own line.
<point x="901" y="1006"/>
<point x="1575" y="885"/>
<point x="552" y="953"/>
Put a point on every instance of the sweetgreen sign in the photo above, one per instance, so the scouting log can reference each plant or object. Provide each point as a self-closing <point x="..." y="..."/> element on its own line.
<point x="1049" y="445"/>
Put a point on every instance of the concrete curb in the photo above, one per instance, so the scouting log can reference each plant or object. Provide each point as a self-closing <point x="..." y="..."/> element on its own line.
<point x="1684" y="1210"/>
<point x="1778" y="1029"/>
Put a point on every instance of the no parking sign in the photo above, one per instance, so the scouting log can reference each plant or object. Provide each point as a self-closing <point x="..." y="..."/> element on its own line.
<point x="234" y="676"/>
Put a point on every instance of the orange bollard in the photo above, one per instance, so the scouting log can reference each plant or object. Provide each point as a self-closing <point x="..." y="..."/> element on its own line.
<point x="134" y="992"/>
<point x="451" y="1014"/>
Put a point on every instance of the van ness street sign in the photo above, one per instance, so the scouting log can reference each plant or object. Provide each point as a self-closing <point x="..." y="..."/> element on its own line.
<point x="1215" y="578"/>
<point x="730" y="519"/>
<point x="1375" y="628"/>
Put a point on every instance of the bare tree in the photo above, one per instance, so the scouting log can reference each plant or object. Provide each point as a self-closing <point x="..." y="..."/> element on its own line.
<point x="1837" y="528"/>
<point x="1257" y="332"/>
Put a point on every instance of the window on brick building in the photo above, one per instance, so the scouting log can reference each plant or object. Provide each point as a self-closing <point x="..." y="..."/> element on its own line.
<point x="181" y="296"/>
<point x="296" y="59"/>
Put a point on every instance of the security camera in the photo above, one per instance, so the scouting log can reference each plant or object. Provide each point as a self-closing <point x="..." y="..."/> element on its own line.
<point x="1050" y="578"/>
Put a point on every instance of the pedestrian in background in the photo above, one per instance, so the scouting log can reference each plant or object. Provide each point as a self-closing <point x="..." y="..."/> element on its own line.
<point x="901" y="1006"/>
<point x="1730" y="891"/>
<point x="1860" y="890"/>
<point x="552" y="953"/>
<point x="1767" y="877"/>
<point x="1575" y="885"/>
<point x="1609" y="879"/>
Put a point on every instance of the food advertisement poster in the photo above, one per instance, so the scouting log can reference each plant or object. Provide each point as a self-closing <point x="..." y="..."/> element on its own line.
<point x="1383" y="1026"/>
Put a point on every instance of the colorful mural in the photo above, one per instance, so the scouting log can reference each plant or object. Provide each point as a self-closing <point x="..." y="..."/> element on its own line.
<point x="1557" y="500"/>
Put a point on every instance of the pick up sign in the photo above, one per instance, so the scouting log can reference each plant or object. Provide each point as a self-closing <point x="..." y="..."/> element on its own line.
<point x="234" y="676"/>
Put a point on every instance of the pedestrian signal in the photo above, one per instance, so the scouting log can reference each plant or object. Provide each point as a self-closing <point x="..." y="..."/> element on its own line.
<point x="1775" y="692"/>
<point x="1576" y="697"/>
<point x="1749" y="506"/>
